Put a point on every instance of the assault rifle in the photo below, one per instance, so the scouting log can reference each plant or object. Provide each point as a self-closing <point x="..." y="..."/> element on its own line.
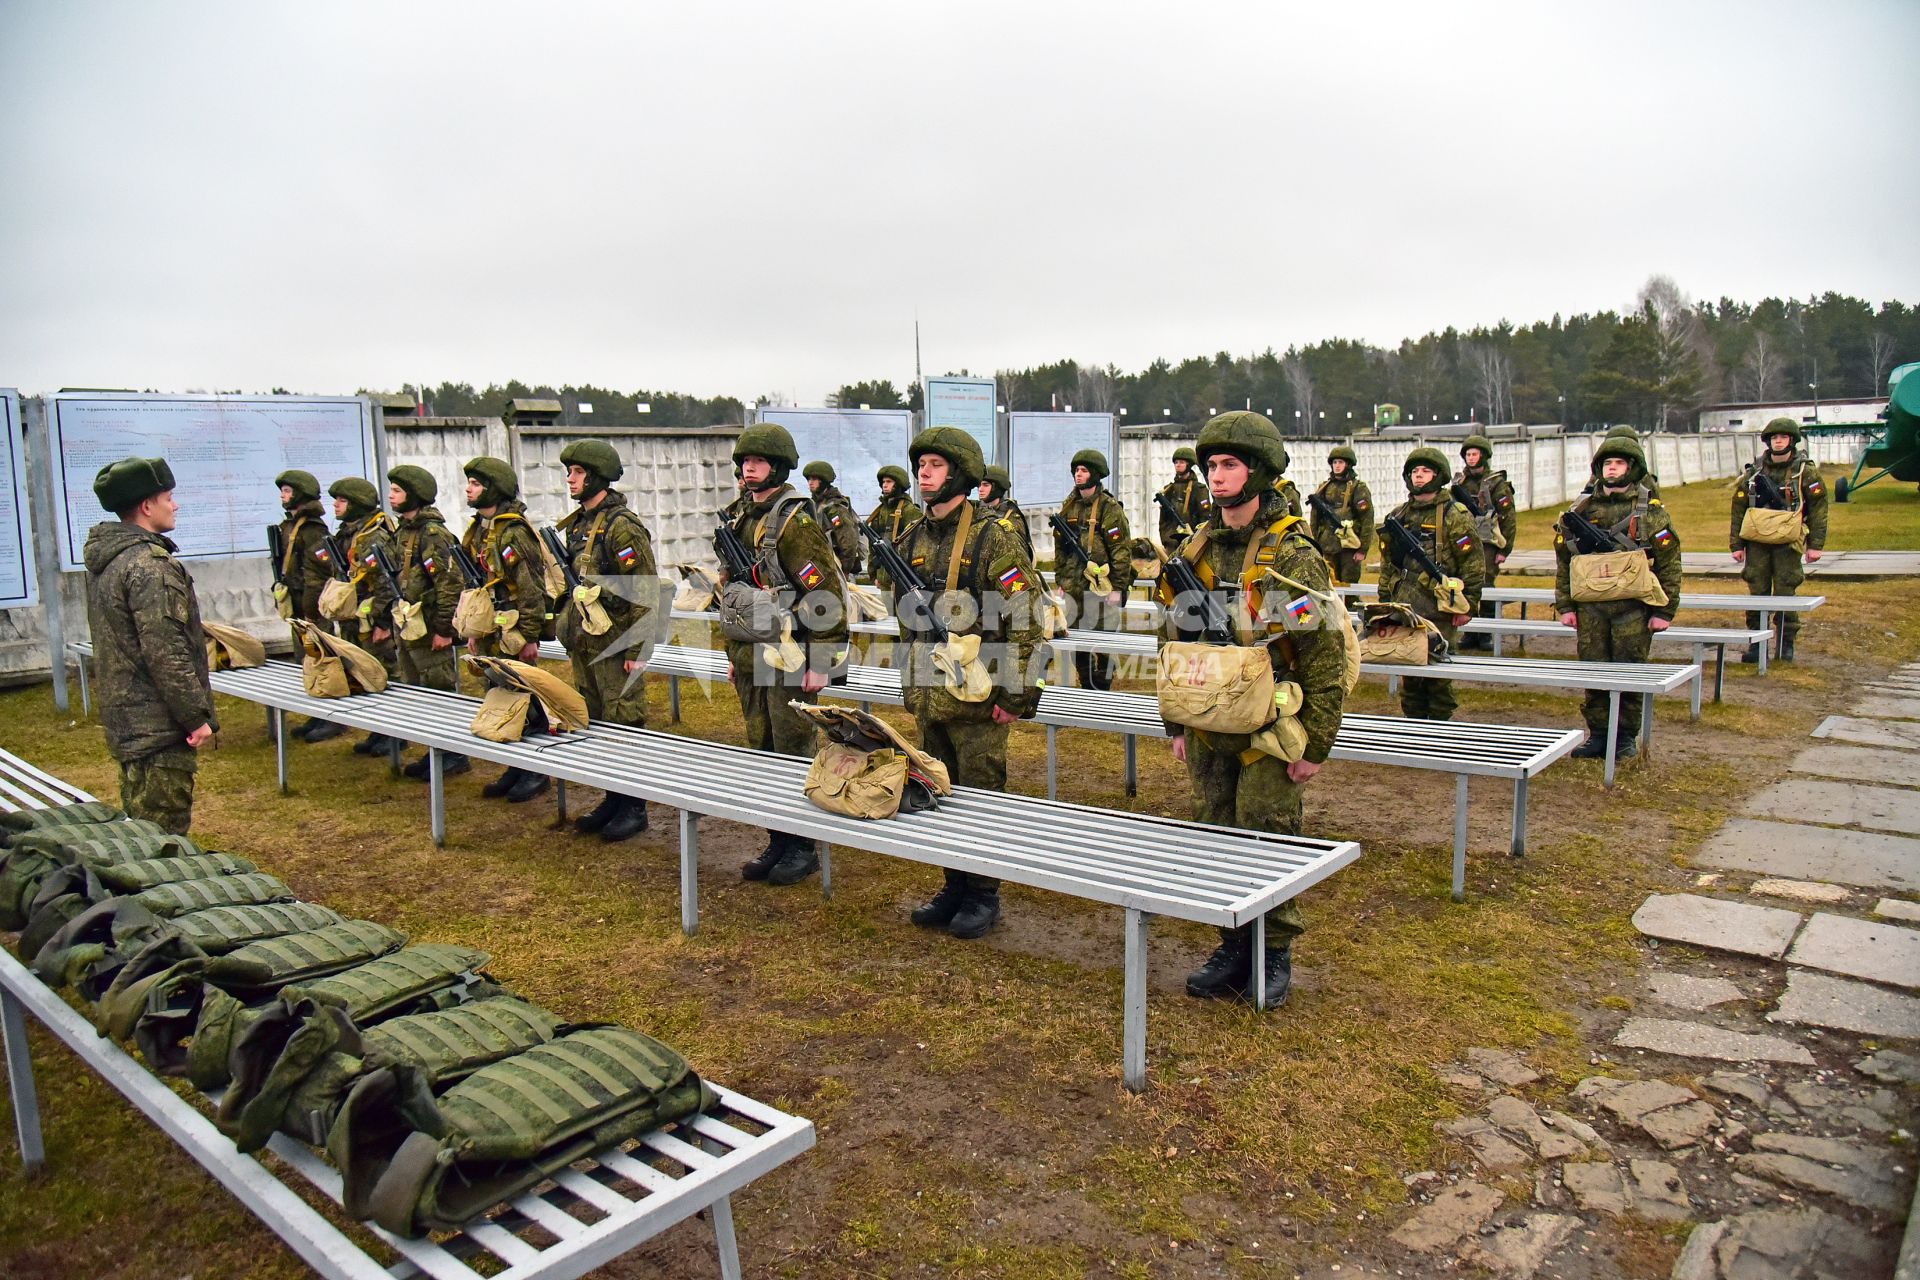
<point x="1215" y="627"/>
<point x="735" y="557"/>
<point x="1327" y="510"/>
<point x="558" y="550"/>
<point x="1767" y="494"/>
<point x="383" y="561"/>
<point x="277" y="553"/>
<point x="470" y="571"/>
<point x="339" y="557"/>
<point x="1404" y="546"/>
<point x="915" y="599"/>
<point x="1180" y="522"/>
<point x="1068" y="540"/>
<point x="1464" y="496"/>
<point x="1589" y="538"/>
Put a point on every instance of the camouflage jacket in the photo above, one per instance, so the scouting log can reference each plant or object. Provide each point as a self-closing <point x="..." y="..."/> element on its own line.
<point x="608" y="541"/>
<point x="796" y="556"/>
<point x="508" y="551"/>
<point x="1445" y="529"/>
<point x="358" y="538"/>
<point x="1100" y="523"/>
<point x="836" y="516"/>
<point x="308" y="565"/>
<point x="1799" y="478"/>
<point x="1652" y="529"/>
<point x="149" y="653"/>
<point x="1349" y="496"/>
<point x="1291" y="492"/>
<point x="996" y="573"/>
<point x="424" y="550"/>
<point x="1007" y="508"/>
<point x="1188" y="497"/>
<point x="893" y="517"/>
<point x="1308" y="655"/>
<point x="1494" y="492"/>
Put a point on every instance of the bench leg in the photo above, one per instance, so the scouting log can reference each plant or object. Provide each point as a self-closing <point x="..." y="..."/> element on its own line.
<point x="825" y="851"/>
<point x="393" y="756"/>
<point x="1133" y="766"/>
<point x="86" y="693"/>
<point x="673" y="697"/>
<point x="1258" y="980"/>
<point x="1460" y="838"/>
<point x="279" y="730"/>
<point x="1520" y="817"/>
<point x="1646" y="722"/>
<point x="437" y="794"/>
<point x="1766" y="647"/>
<point x="723" y="1238"/>
<point x="560" y="798"/>
<point x="1134" y="1006"/>
<point x="1613" y="732"/>
<point x="20" y="1087"/>
<point x="689" y="872"/>
<point x="1053" y="763"/>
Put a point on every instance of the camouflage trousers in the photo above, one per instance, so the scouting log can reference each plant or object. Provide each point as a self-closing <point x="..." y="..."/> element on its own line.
<point x="1091" y="612"/>
<point x="1345" y="566"/>
<point x="159" y="787"/>
<point x="1613" y="631"/>
<point x="975" y="753"/>
<point x="612" y="694"/>
<point x="764" y="693"/>
<point x="1234" y="786"/>
<point x="1424" y="699"/>
<point x="362" y="634"/>
<point x="1774" y="571"/>
<point x="419" y="664"/>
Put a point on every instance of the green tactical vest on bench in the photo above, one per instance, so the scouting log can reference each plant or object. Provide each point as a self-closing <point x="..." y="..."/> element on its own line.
<point x="182" y="896"/>
<point x="82" y="814"/>
<point x="34" y="855"/>
<point x="66" y="891"/>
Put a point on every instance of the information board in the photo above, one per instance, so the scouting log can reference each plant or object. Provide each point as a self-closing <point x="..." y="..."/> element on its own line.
<point x="1040" y="448"/>
<point x="224" y="452"/>
<point x="966" y="403"/>
<point x="18" y="585"/>
<point x="858" y="442"/>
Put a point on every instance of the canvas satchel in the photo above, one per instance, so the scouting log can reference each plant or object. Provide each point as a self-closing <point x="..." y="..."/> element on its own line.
<point x="339" y="600"/>
<point x="1772" y="527"/>
<point x="1394" y="633"/>
<point x="475" y="617"/>
<point x="867" y="768"/>
<point x="1615" y="575"/>
<point x="230" y="648"/>
<point x="336" y="668"/>
<point x="1218" y="688"/>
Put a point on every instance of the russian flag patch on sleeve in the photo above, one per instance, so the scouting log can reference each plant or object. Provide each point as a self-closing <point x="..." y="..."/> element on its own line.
<point x="1464" y="541"/>
<point x="1300" y="612"/>
<point x="810" y="576"/>
<point x="626" y="555"/>
<point x="1663" y="537"/>
<point x="508" y="555"/>
<point x="1013" y="580"/>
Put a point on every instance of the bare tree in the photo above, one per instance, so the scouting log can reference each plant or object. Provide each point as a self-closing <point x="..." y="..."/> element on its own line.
<point x="1493" y="378"/>
<point x="1761" y="369"/>
<point x="1013" y="389"/>
<point x="1095" y="389"/>
<point x="1880" y="350"/>
<point x="1686" y="358"/>
<point x="1300" y="382"/>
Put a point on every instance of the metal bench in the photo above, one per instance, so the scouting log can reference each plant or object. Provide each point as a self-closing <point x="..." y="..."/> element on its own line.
<point x="1701" y="638"/>
<point x="1144" y="864"/>
<point x="588" y="1215"/>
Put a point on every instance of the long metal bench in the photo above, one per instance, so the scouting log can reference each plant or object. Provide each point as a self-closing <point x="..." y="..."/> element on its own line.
<point x="587" y="1216"/>
<point x="1144" y="864"/>
<point x="1701" y="638"/>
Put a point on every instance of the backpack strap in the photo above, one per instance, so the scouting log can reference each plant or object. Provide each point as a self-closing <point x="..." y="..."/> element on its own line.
<point x="293" y="544"/>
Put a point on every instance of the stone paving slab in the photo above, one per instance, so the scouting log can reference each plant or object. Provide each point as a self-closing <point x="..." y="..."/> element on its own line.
<point x="1897" y="909"/>
<point x="1684" y="991"/>
<point x="1870" y="949"/>
<point x="1872" y="733"/>
<point x="1698" y="1040"/>
<point x="1739" y="927"/>
<point x="1812" y="891"/>
<point x="1868" y="858"/>
<point x="1891" y="708"/>
<point x="1861" y="764"/>
<point x="1820" y="1000"/>
<point x="1840" y="804"/>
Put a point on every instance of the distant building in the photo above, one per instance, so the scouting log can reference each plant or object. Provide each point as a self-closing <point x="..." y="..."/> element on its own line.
<point x="1753" y="415"/>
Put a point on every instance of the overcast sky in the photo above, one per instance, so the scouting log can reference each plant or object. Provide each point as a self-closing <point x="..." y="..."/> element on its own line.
<point x="753" y="198"/>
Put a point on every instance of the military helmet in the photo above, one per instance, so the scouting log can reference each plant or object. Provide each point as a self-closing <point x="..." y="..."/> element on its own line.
<point x="1186" y="454"/>
<point x="1094" y="461"/>
<point x="1782" y="426"/>
<point x="129" y="482"/>
<point x="1343" y="453"/>
<point x="820" y="469"/>
<point x="1480" y="442"/>
<point x="1002" y="482"/>
<point x="1425" y="456"/>
<point x="1623" y="431"/>
<point x="896" y="474"/>
<point x="498" y="483"/>
<point x="416" y="482"/>
<point x="305" y="487"/>
<point x="966" y="465"/>
<point x="1621" y="447"/>
<point x="596" y="457"/>
<point x="360" y="495"/>
<point x="1249" y="436"/>
<point x="767" y="440"/>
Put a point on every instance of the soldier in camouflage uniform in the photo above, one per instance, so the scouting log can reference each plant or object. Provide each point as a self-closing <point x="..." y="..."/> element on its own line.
<point x="1492" y="492"/>
<point x="1777" y="570"/>
<point x="792" y="558"/>
<point x="304" y="568"/>
<point x="1248" y="542"/>
<point x="149" y="652"/>
<point x="362" y="525"/>
<point x="1346" y="493"/>
<point x="996" y="498"/>
<point x="1445" y="529"/>
<point x="1625" y="432"/>
<point x="835" y="514"/>
<point x="429" y="579"/>
<point x="962" y="543"/>
<point x="1288" y="490"/>
<point x="1100" y="523"/>
<point x="1619" y="630"/>
<point x="606" y="541"/>
<point x="502" y="542"/>
<point x="1186" y="494"/>
<point x="895" y="514"/>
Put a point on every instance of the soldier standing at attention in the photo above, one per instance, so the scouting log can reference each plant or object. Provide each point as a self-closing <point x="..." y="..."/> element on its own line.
<point x="996" y="496"/>
<point x="1187" y="497"/>
<point x="606" y="539"/>
<point x="149" y="653"/>
<point x="1347" y="494"/>
<point x="502" y="541"/>
<point x="1284" y="487"/>
<point x="1100" y="523"/>
<point x="895" y="514"/>
<point x="363" y="526"/>
<point x="961" y="548"/>
<point x="793" y="560"/>
<point x="304" y="568"/>
<point x="1619" y="630"/>
<point x="1776" y="569"/>
<point x="1496" y="524"/>
<point x="1250" y="539"/>
<point x="835" y="514"/>
<point x="1625" y="432"/>
<point x="429" y="592"/>
<point x="1445" y="529"/>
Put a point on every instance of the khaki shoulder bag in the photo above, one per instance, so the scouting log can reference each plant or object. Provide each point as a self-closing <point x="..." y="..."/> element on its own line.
<point x="334" y="668"/>
<point x="867" y="768"/>
<point x="1394" y="633"/>
<point x="522" y="698"/>
<point x="1223" y="688"/>
<point x="230" y="648"/>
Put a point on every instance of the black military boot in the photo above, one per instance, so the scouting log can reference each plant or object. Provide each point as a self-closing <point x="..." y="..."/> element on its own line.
<point x="301" y="733"/>
<point x="1752" y="654"/>
<point x="374" y="744"/>
<point x="324" y="730"/>
<point x="1629" y="746"/>
<point x="531" y="784"/>
<point x="1278" y="980"/>
<point x="979" y="913"/>
<point x="798" y="860"/>
<point x="1786" y="648"/>
<point x="626" y="824"/>
<point x="503" y="784"/>
<point x="938" y="911"/>
<point x="416" y="769"/>
<point x="1225" y="972"/>
<point x="598" y="816"/>
<point x="453" y="764"/>
<point x="1594" y="748"/>
<point x="757" y="867"/>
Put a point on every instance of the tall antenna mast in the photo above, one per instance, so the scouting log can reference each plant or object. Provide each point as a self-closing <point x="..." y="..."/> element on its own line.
<point x="916" y="346"/>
